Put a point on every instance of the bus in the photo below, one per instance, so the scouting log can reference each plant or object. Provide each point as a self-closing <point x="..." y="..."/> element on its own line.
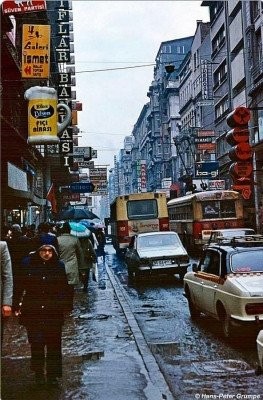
<point x="135" y="213"/>
<point x="194" y="216"/>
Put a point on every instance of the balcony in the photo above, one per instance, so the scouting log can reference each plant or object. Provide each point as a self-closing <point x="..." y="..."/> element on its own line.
<point x="257" y="70"/>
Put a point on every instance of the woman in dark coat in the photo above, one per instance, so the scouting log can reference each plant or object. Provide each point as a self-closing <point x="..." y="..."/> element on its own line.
<point x="45" y="297"/>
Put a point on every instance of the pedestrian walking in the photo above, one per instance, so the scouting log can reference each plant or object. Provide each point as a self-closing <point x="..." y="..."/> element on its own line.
<point x="31" y="231"/>
<point x="41" y="305"/>
<point x="70" y="251"/>
<point x="89" y="258"/>
<point x="6" y="285"/>
<point x="101" y="241"/>
<point x="45" y="236"/>
<point x="19" y="247"/>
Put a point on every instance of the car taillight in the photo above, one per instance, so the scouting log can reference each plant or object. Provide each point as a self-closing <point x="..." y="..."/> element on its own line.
<point x="254" y="308"/>
<point x="164" y="224"/>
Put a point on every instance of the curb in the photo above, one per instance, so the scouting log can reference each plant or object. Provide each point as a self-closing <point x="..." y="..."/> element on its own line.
<point x="155" y="375"/>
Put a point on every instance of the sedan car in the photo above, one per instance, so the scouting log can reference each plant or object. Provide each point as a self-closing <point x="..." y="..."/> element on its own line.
<point x="260" y="352"/>
<point x="227" y="233"/>
<point x="156" y="253"/>
<point x="227" y="284"/>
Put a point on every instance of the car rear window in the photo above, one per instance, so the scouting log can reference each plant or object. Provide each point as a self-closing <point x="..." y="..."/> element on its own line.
<point x="158" y="240"/>
<point x="247" y="261"/>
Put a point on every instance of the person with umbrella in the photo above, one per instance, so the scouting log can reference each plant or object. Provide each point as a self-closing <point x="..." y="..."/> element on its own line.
<point x="70" y="251"/>
<point x="84" y="235"/>
<point x="76" y="214"/>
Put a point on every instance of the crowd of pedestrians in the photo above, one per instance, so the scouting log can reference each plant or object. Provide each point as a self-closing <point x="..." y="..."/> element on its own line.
<point x="40" y="267"/>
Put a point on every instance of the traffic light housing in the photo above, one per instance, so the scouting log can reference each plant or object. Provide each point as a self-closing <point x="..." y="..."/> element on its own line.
<point x="241" y="151"/>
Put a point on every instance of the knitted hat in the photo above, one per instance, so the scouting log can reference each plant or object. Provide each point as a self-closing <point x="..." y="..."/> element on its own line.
<point x="48" y="245"/>
<point x="16" y="228"/>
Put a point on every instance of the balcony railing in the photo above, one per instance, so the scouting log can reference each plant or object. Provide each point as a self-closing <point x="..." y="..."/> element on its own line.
<point x="257" y="70"/>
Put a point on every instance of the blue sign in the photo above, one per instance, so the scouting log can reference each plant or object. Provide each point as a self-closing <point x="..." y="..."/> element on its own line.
<point x="206" y="169"/>
<point x="82" y="187"/>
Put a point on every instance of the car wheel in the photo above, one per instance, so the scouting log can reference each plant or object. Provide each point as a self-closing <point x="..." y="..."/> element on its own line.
<point x="181" y="275"/>
<point x="194" y="312"/>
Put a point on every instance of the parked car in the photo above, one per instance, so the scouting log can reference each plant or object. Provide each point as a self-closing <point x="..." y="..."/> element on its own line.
<point x="227" y="284"/>
<point x="157" y="253"/>
<point x="260" y="352"/>
<point x="227" y="233"/>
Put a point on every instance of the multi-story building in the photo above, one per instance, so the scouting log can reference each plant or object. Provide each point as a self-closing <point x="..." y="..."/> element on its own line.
<point x="195" y="143"/>
<point x="237" y="54"/>
<point x="140" y="152"/>
<point x="191" y="98"/>
<point x="162" y="106"/>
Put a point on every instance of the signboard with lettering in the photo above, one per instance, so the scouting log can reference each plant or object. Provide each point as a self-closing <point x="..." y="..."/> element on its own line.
<point x="98" y="174"/>
<point x="94" y="153"/>
<point x="82" y="187"/>
<point x="85" y="164"/>
<point x="22" y="6"/>
<point x="206" y="169"/>
<point x="82" y="152"/>
<point x="218" y="184"/>
<point x="35" y="51"/>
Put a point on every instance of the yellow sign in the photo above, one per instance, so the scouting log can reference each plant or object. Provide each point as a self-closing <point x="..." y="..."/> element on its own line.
<point x="43" y="126"/>
<point x="42" y="119"/>
<point x="36" y="51"/>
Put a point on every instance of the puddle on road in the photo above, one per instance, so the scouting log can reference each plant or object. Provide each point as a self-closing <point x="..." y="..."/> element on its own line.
<point x="222" y="368"/>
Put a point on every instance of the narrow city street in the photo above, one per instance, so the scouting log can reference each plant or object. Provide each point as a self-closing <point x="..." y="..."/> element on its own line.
<point x="101" y="341"/>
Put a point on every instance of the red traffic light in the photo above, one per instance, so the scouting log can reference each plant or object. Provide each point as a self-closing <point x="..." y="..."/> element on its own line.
<point x="238" y="117"/>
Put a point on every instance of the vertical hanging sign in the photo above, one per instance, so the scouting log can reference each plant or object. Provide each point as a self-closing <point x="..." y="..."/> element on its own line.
<point x="35" y="51"/>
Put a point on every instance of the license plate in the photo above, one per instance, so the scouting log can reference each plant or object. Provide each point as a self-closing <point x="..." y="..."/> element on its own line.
<point x="162" y="263"/>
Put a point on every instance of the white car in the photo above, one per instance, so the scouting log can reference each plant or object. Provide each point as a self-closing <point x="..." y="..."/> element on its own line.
<point x="156" y="253"/>
<point x="260" y="352"/>
<point x="227" y="284"/>
<point x="227" y="233"/>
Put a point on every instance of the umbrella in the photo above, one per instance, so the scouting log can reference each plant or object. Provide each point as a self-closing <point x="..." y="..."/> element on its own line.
<point x="92" y="224"/>
<point x="76" y="214"/>
<point x="79" y="230"/>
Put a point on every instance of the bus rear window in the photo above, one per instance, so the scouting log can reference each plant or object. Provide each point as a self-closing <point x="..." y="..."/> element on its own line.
<point x="218" y="209"/>
<point x="142" y="209"/>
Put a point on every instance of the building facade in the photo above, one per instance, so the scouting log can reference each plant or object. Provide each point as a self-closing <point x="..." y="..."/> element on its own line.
<point x="197" y="82"/>
<point x="29" y="170"/>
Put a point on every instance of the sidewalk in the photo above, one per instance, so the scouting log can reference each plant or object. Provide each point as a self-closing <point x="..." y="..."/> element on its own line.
<point x="101" y="359"/>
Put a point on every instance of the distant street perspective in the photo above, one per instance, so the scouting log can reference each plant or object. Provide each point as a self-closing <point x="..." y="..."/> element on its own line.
<point x="131" y="200"/>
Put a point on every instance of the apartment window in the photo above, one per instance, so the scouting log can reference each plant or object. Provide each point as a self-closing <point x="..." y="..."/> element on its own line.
<point x="180" y="49"/>
<point x="219" y="39"/>
<point x="220" y="74"/>
<point x="196" y="59"/>
<point x="167" y="49"/>
<point x="258" y="45"/>
<point x="159" y="147"/>
<point x="221" y="108"/>
<point x="215" y="8"/>
<point x="255" y="9"/>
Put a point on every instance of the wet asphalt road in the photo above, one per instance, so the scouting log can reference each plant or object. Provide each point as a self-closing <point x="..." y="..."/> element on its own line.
<point x="195" y="361"/>
<point x="194" y="358"/>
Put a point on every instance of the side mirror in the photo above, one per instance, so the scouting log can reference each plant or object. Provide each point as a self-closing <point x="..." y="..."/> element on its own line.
<point x="195" y="267"/>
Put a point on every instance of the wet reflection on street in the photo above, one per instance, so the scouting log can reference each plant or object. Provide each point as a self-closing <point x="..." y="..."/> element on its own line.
<point x="193" y="356"/>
